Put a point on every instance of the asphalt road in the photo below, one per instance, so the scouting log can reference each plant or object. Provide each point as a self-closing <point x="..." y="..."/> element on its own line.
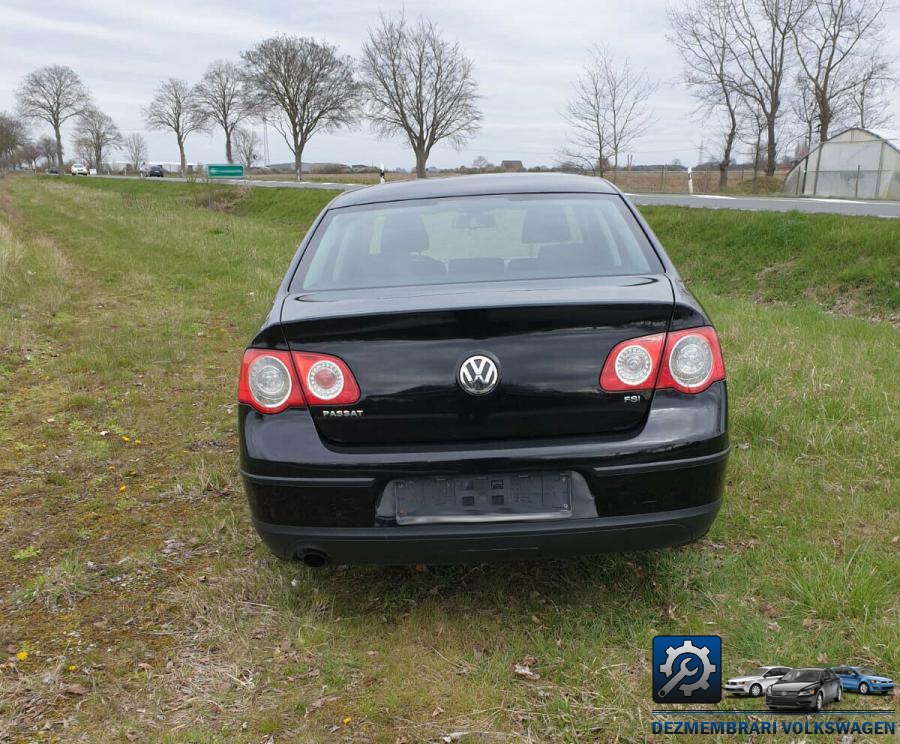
<point x="856" y="207"/>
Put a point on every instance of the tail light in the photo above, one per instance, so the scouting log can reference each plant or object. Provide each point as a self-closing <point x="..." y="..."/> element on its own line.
<point x="272" y="380"/>
<point x="688" y="361"/>
<point x="326" y="380"/>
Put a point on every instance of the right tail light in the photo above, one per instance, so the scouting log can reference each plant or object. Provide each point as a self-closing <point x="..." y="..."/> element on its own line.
<point x="688" y="361"/>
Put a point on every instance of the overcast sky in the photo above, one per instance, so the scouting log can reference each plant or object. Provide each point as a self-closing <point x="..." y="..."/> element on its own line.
<point x="526" y="55"/>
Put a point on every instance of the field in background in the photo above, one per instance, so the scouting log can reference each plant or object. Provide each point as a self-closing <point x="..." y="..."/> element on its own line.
<point x="145" y="608"/>
<point x="740" y="180"/>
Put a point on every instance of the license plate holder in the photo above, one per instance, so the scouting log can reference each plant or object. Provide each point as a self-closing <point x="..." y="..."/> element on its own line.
<point x="499" y="497"/>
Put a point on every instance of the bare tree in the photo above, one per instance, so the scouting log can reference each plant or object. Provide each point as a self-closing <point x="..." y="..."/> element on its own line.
<point x="175" y="107"/>
<point x="247" y="144"/>
<point x="608" y="110"/>
<point x="220" y="97"/>
<point x="53" y="94"/>
<point x="99" y="132"/>
<point x="46" y="146"/>
<point x="589" y="142"/>
<point x="832" y="36"/>
<point x="805" y="110"/>
<point x="418" y="85"/>
<point x="703" y="33"/>
<point x="763" y="55"/>
<point x="870" y="97"/>
<point x="306" y="86"/>
<point x="135" y="147"/>
<point x="12" y="137"/>
<point x="28" y="153"/>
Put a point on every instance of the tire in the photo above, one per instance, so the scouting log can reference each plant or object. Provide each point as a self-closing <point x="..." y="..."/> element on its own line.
<point x="863" y="688"/>
<point x="756" y="690"/>
<point x="820" y="700"/>
<point x="840" y="694"/>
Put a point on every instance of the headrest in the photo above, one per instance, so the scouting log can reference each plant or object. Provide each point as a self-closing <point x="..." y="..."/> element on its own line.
<point x="402" y="234"/>
<point x="545" y="223"/>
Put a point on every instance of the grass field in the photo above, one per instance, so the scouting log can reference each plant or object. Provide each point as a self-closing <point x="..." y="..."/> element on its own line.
<point x="136" y="603"/>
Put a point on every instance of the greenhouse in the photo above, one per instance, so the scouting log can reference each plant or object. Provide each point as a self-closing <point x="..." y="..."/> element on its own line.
<point x="855" y="164"/>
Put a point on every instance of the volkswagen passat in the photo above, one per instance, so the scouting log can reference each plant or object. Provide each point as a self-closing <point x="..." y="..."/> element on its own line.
<point x="805" y="688"/>
<point x="481" y="367"/>
<point x="756" y="682"/>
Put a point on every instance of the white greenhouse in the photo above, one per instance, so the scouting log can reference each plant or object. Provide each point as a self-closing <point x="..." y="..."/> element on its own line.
<point x="855" y="164"/>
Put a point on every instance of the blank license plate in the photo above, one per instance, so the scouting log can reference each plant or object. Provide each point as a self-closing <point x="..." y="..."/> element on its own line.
<point x="483" y="498"/>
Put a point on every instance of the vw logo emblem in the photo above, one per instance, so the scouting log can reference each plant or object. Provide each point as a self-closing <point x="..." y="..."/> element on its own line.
<point x="478" y="375"/>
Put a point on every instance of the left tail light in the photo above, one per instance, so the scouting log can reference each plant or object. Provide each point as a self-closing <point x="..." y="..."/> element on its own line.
<point x="272" y="381"/>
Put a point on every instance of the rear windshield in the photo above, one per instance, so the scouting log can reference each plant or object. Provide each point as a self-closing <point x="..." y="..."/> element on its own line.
<point x="475" y="239"/>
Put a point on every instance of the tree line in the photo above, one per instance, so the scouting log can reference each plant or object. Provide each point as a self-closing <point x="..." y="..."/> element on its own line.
<point x="763" y="73"/>
<point x="409" y="82"/>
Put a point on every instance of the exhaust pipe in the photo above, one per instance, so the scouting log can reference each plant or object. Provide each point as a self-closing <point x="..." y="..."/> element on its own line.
<point x="314" y="558"/>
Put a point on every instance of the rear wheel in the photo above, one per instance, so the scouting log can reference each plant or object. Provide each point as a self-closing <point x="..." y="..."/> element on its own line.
<point x="863" y="688"/>
<point x="756" y="690"/>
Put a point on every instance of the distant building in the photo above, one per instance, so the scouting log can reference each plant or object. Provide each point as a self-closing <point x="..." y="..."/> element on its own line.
<point x="855" y="163"/>
<point x="513" y="166"/>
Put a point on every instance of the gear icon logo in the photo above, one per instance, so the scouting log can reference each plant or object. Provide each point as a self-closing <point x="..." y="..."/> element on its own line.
<point x="687" y="669"/>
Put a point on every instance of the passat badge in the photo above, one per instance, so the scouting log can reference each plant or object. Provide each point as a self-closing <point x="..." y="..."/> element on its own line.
<point x="478" y="375"/>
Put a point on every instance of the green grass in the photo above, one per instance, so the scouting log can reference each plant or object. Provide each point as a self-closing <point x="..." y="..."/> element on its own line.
<point x="124" y="308"/>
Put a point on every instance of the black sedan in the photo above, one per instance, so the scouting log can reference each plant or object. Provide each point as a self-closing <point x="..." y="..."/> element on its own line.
<point x="478" y="368"/>
<point x="805" y="688"/>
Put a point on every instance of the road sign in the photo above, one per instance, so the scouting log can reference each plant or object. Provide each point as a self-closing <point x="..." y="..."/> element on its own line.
<point x="225" y="171"/>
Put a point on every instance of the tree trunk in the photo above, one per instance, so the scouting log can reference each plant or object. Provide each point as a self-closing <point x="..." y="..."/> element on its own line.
<point x="228" y="155"/>
<point x="421" y="161"/>
<point x="98" y="158"/>
<point x="59" y="151"/>
<point x="770" y="147"/>
<point x="298" y="159"/>
<point x="183" y="158"/>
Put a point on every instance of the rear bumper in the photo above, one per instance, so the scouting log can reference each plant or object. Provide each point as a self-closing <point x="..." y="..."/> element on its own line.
<point x="661" y="487"/>
<point x="464" y="543"/>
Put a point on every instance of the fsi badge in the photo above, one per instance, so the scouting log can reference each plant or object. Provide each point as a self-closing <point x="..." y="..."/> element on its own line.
<point x="687" y="669"/>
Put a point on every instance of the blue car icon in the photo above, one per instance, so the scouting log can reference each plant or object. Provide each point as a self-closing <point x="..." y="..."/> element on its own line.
<point x="863" y="680"/>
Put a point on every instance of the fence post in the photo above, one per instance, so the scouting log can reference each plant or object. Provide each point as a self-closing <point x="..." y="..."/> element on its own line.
<point x="662" y="179"/>
<point x="856" y="189"/>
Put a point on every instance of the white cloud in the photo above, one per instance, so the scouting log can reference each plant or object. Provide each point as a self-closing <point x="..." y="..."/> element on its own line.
<point x="526" y="54"/>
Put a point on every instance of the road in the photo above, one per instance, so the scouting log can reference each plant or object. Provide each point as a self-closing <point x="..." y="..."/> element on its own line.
<point x="855" y="207"/>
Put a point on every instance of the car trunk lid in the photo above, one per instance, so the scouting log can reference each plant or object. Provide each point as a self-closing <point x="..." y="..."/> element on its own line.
<point x="549" y="339"/>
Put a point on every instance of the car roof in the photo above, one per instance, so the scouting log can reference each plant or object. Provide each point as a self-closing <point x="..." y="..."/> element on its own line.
<point x="480" y="185"/>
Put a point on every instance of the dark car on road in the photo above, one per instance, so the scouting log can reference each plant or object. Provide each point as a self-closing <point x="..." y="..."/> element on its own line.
<point x="805" y="688"/>
<point x="155" y="171"/>
<point x="478" y="368"/>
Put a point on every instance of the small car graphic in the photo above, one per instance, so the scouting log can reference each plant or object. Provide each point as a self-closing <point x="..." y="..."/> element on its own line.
<point x="811" y="688"/>
<point x="863" y="680"/>
<point x="756" y="682"/>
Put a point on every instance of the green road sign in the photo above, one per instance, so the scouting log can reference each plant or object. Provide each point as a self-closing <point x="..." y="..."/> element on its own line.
<point x="225" y="171"/>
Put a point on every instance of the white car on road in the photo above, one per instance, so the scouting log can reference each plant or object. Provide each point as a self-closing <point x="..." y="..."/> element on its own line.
<point x="79" y="169"/>
<point x="755" y="683"/>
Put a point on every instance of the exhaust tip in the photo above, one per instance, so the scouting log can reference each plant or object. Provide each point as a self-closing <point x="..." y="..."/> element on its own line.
<point x="313" y="558"/>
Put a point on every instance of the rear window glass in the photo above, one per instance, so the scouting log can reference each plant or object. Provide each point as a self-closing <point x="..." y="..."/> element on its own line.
<point x="475" y="239"/>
